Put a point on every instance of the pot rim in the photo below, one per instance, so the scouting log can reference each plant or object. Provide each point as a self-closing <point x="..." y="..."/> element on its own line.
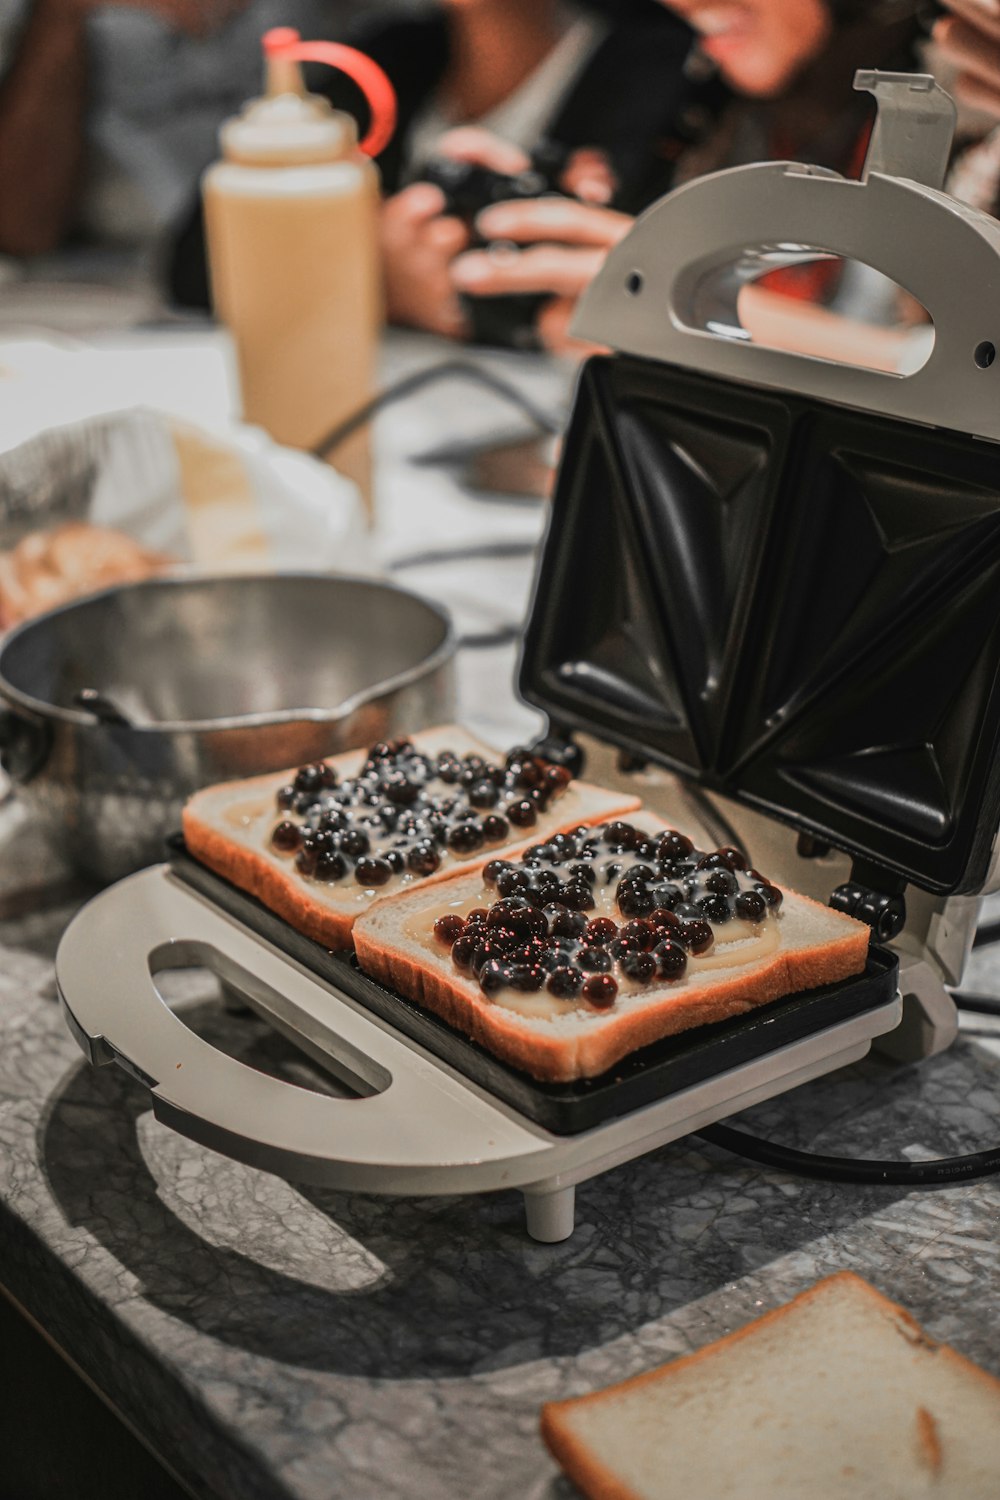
<point x="80" y="718"/>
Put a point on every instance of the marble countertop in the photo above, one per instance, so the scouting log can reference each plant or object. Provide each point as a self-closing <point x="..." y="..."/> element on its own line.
<point x="279" y="1341"/>
<point x="276" y="1341"/>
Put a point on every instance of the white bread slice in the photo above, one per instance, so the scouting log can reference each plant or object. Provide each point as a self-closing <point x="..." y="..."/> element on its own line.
<point x="394" y="943"/>
<point x="838" y="1395"/>
<point x="228" y="828"/>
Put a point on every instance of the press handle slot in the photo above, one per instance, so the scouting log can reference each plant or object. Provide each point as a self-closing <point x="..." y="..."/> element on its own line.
<point x="357" y="1071"/>
<point x="420" y="1131"/>
<point x="944" y="254"/>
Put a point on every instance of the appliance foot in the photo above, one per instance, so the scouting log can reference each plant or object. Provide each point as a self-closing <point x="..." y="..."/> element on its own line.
<point x="550" y="1215"/>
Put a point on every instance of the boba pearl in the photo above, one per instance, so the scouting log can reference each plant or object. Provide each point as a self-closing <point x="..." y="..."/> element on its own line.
<point x="372" y="871"/>
<point x="449" y="928"/>
<point x="750" y="907"/>
<point x="287" y="837"/>
<point x="330" y="865"/>
<point x="639" y="966"/>
<point x="564" y="982"/>
<point x="600" y="991"/>
<point x="671" y="960"/>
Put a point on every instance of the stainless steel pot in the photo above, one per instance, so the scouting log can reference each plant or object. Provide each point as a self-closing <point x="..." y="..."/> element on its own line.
<point x="212" y="678"/>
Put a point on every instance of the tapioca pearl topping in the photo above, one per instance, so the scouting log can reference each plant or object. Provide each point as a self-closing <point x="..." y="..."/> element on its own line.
<point x="423" y="859"/>
<point x="643" y="871"/>
<point x="716" y="909"/>
<point x="565" y="982"/>
<point x="697" y="936"/>
<point x="403" y="801"/>
<point x="514" y="946"/>
<point x="600" y="991"/>
<point x="287" y="837"/>
<point x="522" y="814"/>
<point x="750" y="906"/>
<point x="330" y="865"/>
<point x="640" y="967"/>
<point x="671" y="960"/>
<point x="449" y="928"/>
<point x="594" y="960"/>
<point x="315" y="778"/>
<point x="540" y="933"/>
<point x="466" y="838"/>
<point x="355" y="842"/>
<point x="371" y="871"/>
<point x="641" y="935"/>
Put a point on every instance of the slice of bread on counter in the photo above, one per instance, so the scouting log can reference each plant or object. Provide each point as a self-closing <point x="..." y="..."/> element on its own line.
<point x="839" y="1395"/>
<point x="798" y="946"/>
<point x="229" y="828"/>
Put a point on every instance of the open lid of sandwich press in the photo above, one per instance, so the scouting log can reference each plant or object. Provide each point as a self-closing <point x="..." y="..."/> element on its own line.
<point x="776" y="575"/>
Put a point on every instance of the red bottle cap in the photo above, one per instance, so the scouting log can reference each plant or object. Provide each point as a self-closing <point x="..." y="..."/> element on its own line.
<point x="284" y="41"/>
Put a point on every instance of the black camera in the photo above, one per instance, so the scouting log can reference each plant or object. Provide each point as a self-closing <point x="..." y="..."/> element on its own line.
<point x="508" y="321"/>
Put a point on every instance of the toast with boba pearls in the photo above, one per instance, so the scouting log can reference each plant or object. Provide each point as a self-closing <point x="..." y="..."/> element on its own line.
<point x="602" y="940"/>
<point x="320" y="844"/>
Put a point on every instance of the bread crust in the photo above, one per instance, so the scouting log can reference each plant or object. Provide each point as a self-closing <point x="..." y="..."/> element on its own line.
<point x="428" y="977"/>
<point x="598" y="1482"/>
<point x="276" y="884"/>
<point x="273" y="887"/>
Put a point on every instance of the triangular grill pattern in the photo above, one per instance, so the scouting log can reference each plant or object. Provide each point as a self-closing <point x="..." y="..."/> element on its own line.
<point x="863" y="571"/>
<point x="606" y="649"/>
<point x="798" y="605"/>
<point x="901" y="786"/>
<point x="697" y="488"/>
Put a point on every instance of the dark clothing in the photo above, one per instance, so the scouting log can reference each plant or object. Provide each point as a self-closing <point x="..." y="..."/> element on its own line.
<point x="633" y="100"/>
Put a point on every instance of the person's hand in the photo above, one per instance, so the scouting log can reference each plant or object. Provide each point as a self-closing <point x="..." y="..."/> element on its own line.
<point x="587" y="174"/>
<point x="565" y="245"/>
<point x="970" y="40"/>
<point x="416" y="247"/>
<point x="484" y="149"/>
<point x="418" y="243"/>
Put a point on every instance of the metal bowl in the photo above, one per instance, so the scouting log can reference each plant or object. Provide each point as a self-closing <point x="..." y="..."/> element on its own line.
<point x="212" y="679"/>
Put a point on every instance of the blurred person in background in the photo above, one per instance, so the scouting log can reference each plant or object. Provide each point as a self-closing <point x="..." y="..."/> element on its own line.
<point x="788" y="67"/>
<point x="109" y="112"/>
<point x="970" y="38"/>
<point x="600" y="81"/>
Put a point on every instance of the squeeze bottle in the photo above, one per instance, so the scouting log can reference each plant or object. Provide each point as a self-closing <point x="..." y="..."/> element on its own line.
<point x="291" y="224"/>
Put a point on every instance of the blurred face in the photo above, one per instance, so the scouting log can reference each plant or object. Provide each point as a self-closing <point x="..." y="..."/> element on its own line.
<point x="759" y="45"/>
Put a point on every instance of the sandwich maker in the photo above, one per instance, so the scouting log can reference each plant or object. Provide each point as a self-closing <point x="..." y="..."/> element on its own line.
<point x="775" y="577"/>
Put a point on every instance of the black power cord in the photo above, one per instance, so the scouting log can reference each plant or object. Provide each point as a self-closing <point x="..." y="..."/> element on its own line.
<point x="449" y="369"/>
<point x="942" y="1172"/>
<point x="986" y="933"/>
<point x="983" y="1005"/>
<point x="500" y="635"/>
<point x="474" y="551"/>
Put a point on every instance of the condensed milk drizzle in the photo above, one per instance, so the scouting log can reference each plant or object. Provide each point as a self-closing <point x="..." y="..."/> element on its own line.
<point x="404" y="816"/>
<point x="605" y="912"/>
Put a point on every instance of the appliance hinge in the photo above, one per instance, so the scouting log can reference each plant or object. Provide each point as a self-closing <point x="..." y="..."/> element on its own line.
<point x="873" y="895"/>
